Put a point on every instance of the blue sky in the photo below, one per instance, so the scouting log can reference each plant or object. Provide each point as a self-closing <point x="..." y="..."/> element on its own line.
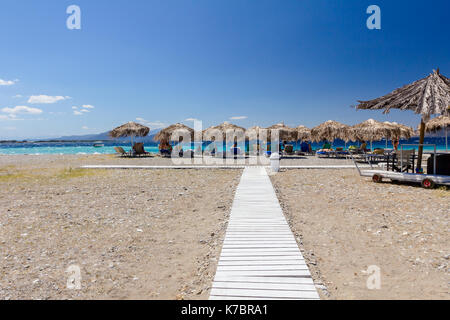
<point x="297" y="61"/>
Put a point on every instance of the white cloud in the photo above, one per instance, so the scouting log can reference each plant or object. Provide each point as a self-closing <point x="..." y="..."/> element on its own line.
<point x="77" y="113"/>
<point x="84" y="128"/>
<point x="156" y="125"/>
<point x="152" y="125"/>
<point x="88" y="106"/>
<point x="46" y="99"/>
<point x="18" y="96"/>
<point x="85" y="110"/>
<point x="238" y="118"/>
<point x="191" y="119"/>
<point x="74" y="107"/>
<point x="21" y="110"/>
<point x="7" y="82"/>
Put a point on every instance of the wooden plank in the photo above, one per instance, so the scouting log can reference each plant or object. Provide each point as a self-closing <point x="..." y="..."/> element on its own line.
<point x="287" y="294"/>
<point x="262" y="262"/>
<point x="264" y="258"/>
<point x="268" y="286"/>
<point x="295" y="280"/>
<point x="264" y="273"/>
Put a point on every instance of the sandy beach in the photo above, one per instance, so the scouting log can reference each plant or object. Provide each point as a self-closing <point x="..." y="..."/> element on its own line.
<point x="134" y="234"/>
<point x="345" y="223"/>
<point x="157" y="234"/>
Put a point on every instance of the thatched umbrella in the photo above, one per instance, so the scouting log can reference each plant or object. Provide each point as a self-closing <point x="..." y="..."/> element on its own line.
<point x="330" y="131"/>
<point x="253" y="132"/>
<point x="284" y="132"/>
<point x="428" y="96"/>
<point x="130" y="129"/>
<point x="438" y="123"/>
<point x="225" y="130"/>
<point x="371" y="130"/>
<point x="174" y="133"/>
<point x="405" y="131"/>
<point x="303" y="133"/>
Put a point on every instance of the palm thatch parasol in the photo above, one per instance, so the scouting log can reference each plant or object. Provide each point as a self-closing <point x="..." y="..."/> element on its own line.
<point x="174" y="133"/>
<point x="330" y="131"/>
<point x="371" y="130"/>
<point x="253" y="132"/>
<point x="284" y="132"/>
<point x="405" y="131"/>
<point x="428" y="96"/>
<point x="303" y="133"/>
<point x="130" y="129"/>
<point x="226" y="131"/>
<point x="438" y="123"/>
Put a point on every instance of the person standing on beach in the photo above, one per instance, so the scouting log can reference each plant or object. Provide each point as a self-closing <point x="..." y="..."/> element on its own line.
<point x="395" y="143"/>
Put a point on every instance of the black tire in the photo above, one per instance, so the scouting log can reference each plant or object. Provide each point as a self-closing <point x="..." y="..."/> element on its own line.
<point x="428" y="183"/>
<point x="377" y="178"/>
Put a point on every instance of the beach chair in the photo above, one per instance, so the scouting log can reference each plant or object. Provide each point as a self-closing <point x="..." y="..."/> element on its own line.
<point x="139" y="150"/>
<point x="403" y="161"/>
<point x="165" y="153"/>
<point x="121" y="152"/>
<point x="288" y="149"/>
<point x="186" y="154"/>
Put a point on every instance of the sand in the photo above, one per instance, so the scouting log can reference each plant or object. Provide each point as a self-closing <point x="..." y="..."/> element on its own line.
<point x="345" y="223"/>
<point x="133" y="234"/>
<point x="157" y="234"/>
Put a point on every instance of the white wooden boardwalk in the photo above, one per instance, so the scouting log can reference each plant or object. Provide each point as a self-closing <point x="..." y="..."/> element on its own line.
<point x="260" y="258"/>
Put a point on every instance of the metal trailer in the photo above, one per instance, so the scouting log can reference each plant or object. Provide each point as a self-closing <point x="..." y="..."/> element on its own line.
<point x="428" y="181"/>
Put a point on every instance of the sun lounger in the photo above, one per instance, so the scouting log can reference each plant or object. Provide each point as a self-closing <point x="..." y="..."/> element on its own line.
<point x="165" y="152"/>
<point x="138" y="149"/>
<point x="288" y="149"/>
<point x="121" y="152"/>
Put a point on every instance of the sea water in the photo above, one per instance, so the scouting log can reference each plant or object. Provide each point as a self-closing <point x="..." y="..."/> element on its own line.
<point x="38" y="148"/>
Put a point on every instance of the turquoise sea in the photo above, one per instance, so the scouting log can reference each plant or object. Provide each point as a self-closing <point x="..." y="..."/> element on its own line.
<point x="37" y="148"/>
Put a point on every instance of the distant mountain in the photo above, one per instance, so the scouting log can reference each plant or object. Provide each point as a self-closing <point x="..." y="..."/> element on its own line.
<point x="101" y="137"/>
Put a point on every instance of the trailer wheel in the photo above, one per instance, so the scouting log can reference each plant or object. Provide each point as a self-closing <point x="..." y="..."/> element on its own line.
<point x="428" y="183"/>
<point x="377" y="178"/>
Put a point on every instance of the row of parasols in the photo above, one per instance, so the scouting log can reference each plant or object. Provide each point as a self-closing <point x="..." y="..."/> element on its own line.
<point x="370" y="130"/>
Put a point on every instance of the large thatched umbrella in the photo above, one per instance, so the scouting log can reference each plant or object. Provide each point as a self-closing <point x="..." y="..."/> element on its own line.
<point x="428" y="96"/>
<point x="174" y="133"/>
<point x="130" y="129"/>
<point x="303" y="133"/>
<point x="225" y="130"/>
<point x="371" y="130"/>
<point x="284" y="132"/>
<point x="330" y="131"/>
<point x="438" y="123"/>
